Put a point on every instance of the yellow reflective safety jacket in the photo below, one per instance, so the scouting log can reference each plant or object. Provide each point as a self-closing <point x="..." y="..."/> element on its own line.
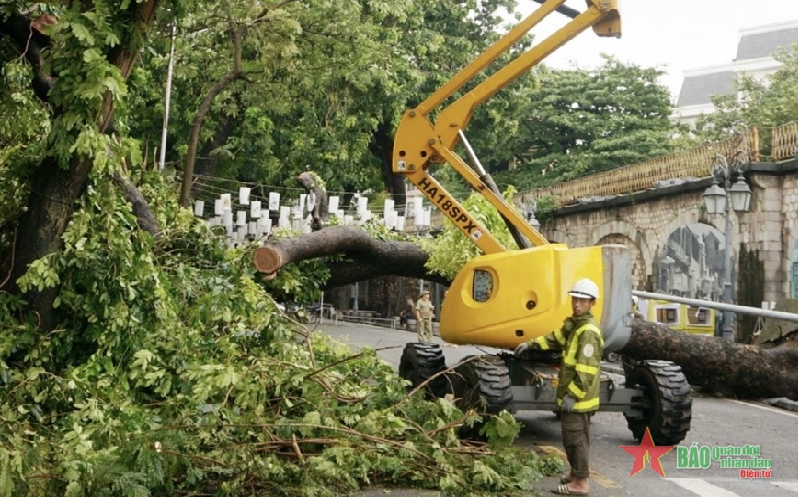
<point x="582" y="344"/>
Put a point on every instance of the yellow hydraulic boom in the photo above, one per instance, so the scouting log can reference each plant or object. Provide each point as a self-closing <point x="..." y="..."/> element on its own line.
<point x="419" y="143"/>
<point x="501" y="298"/>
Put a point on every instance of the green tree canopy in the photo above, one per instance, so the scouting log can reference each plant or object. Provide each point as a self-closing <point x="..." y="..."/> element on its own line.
<point x="576" y="122"/>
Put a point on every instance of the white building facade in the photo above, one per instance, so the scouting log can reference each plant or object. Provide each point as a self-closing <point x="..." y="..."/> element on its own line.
<point x="755" y="50"/>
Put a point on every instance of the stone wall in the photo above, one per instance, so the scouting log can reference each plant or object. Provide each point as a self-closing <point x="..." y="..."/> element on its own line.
<point x="644" y="222"/>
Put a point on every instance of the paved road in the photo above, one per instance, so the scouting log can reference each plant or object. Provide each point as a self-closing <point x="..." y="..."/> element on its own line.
<point x="716" y="422"/>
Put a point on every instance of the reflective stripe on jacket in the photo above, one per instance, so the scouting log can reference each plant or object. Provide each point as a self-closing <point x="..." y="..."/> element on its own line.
<point x="582" y="344"/>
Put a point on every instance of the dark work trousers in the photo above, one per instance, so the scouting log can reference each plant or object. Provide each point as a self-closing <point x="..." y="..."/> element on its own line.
<point x="576" y="440"/>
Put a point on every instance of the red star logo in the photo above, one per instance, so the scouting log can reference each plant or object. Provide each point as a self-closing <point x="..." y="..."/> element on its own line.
<point x="647" y="451"/>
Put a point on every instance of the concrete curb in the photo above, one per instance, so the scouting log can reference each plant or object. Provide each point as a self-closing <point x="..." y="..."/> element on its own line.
<point x="783" y="403"/>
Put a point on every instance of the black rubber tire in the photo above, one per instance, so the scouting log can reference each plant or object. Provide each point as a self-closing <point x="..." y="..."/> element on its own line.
<point x="669" y="402"/>
<point x="481" y="383"/>
<point x="420" y="362"/>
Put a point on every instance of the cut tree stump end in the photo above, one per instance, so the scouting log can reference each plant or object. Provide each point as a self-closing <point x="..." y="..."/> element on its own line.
<point x="267" y="260"/>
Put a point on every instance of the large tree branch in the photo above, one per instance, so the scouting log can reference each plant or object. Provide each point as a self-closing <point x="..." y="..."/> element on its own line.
<point x="205" y="107"/>
<point x="366" y="257"/>
<point x="141" y="208"/>
<point x="745" y="371"/>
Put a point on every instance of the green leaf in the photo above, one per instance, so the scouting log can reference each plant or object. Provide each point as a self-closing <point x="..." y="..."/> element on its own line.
<point x="82" y="33"/>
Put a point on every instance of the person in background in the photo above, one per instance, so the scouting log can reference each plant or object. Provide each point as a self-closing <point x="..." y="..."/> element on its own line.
<point x="424" y="313"/>
<point x="578" y="386"/>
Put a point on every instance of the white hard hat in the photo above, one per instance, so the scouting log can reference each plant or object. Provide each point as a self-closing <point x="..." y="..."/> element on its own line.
<point x="585" y="289"/>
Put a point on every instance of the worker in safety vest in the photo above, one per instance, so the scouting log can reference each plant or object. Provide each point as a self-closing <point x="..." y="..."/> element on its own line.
<point x="578" y="385"/>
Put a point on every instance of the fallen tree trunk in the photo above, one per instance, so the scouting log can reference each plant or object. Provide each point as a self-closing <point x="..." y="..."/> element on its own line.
<point x="364" y="257"/>
<point x="744" y="371"/>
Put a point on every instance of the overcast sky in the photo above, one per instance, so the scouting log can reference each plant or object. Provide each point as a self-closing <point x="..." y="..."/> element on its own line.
<point x="676" y="35"/>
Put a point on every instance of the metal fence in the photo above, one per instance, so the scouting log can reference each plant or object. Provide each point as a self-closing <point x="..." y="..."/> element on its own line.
<point x="693" y="163"/>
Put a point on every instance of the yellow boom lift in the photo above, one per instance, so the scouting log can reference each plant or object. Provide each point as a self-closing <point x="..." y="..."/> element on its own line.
<point x="505" y="297"/>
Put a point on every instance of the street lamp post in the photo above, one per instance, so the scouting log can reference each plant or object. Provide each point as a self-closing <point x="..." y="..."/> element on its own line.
<point x="531" y="209"/>
<point x="723" y="200"/>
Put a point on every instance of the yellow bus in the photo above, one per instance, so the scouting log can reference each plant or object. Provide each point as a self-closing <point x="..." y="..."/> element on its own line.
<point x="679" y="317"/>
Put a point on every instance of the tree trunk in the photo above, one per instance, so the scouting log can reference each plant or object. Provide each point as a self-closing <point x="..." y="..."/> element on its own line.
<point x="312" y="187"/>
<point x="206" y="163"/>
<point x="204" y="108"/>
<point x="366" y="257"/>
<point x="54" y="189"/>
<point x="744" y="371"/>
<point x="382" y="147"/>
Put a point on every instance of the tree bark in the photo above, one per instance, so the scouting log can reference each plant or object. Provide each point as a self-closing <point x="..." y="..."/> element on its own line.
<point x="366" y="257"/>
<point x="744" y="371"/>
<point x="382" y="146"/>
<point x="196" y="124"/>
<point x="207" y="163"/>
<point x="145" y="218"/>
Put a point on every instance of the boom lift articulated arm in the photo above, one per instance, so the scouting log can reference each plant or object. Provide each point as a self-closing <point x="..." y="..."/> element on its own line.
<point x="419" y="143"/>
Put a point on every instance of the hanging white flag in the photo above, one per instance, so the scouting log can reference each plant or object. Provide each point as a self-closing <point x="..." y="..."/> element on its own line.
<point x="265" y="225"/>
<point x="243" y="195"/>
<point x="400" y="223"/>
<point x="302" y="197"/>
<point x="218" y="207"/>
<point x="227" y="201"/>
<point x="333" y="204"/>
<point x="296" y="218"/>
<point x="254" y="209"/>
<point x="227" y="218"/>
<point x="241" y="218"/>
<point x="390" y="218"/>
<point x="199" y="207"/>
<point x="274" y="201"/>
<point x="285" y="216"/>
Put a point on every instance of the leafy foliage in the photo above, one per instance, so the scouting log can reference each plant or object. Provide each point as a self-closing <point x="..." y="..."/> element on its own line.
<point x="173" y="372"/>
<point x="451" y="250"/>
<point x="578" y="122"/>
